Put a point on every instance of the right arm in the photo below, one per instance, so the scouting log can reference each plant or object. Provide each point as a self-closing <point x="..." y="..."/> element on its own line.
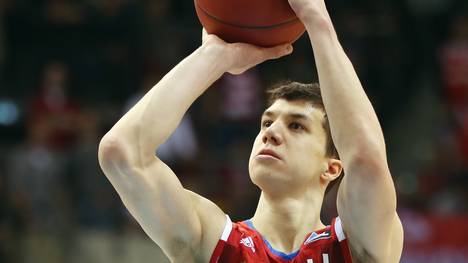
<point x="182" y="223"/>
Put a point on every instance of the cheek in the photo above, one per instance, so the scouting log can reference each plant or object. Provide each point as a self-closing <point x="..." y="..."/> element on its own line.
<point x="307" y="166"/>
<point x="310" y="155"/>
<point x="255" y="146"/>
<point x="317" y="146"/>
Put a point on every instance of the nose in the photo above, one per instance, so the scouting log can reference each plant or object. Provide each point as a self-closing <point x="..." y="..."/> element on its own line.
<point x="272" y="136"/>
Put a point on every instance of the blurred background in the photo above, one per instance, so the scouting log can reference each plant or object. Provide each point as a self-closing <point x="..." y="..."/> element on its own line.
<point x="69" y="69"/>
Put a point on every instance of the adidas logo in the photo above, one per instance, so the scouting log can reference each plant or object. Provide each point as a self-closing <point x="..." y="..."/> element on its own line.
<point x="248" y="242"/>
<point x="314" y="237"/>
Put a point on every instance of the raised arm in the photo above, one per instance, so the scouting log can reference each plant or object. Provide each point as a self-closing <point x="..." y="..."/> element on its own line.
<point x="185" y="225"/>
<point x="366" y="200"/>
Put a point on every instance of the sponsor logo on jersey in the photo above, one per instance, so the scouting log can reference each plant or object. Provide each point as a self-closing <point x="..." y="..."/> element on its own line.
<point x="314" y="237"/>
<point x="248" y="242"/>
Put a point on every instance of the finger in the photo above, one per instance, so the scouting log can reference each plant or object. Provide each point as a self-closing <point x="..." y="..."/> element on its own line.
<point x="277" y="52"/>
<point x="204" y="34"/>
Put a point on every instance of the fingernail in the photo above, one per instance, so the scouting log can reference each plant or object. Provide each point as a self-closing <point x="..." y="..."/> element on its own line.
<point x="289" y="49"/>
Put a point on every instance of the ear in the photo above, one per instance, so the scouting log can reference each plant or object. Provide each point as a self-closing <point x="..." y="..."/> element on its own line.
<point x="334" y="169"/>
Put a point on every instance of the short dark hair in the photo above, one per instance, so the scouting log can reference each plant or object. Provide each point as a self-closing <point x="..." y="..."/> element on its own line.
<point x="291" y="91"/>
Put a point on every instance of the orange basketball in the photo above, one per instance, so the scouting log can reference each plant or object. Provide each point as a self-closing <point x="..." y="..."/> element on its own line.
<point x="259" y="22"/>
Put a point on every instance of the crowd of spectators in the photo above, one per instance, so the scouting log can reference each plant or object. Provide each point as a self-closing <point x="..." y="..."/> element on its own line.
<point x="69" y="69"/>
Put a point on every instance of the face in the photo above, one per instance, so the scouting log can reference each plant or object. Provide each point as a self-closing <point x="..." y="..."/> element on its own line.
<point x="289" y="152"/>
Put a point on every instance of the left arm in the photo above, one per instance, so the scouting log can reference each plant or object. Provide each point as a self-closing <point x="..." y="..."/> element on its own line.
<point x="366" y="198"/>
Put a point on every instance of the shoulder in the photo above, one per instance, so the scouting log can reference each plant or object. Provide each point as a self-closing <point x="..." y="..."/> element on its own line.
<point x="390" y="253"/>
<point x="212" y="223"/>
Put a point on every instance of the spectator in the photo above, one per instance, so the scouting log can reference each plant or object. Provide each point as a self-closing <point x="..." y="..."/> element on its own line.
<point x="454" y="65"/>
<point x="97" y="208"/>
<point x="35" y="177"/>
<point x="54" y="106"/>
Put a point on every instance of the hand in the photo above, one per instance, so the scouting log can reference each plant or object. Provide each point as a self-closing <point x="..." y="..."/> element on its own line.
<point x="239" y="57"/>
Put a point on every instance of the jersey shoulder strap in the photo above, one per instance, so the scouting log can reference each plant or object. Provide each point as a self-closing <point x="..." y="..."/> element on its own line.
<point x="338" y="232"/>
<point x="222" y="241"/>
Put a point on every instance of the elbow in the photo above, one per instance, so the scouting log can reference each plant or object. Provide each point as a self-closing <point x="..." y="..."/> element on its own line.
<point x="110" y="153"/>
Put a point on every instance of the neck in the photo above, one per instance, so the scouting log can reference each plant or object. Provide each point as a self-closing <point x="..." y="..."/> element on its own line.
<point x="285" y="221"/>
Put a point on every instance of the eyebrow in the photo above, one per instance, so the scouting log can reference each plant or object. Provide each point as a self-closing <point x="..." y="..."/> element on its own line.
<point x="293" y="115"/>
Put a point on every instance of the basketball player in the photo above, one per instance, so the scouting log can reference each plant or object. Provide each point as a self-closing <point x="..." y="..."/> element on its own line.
<point x="289" y="162"/>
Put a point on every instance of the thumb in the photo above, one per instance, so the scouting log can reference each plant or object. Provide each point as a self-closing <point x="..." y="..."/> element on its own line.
<point x="204" y="35"/>
<point x="277" y="51"/>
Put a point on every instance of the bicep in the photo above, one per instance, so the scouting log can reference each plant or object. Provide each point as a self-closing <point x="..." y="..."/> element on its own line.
<point x="367" y="207"/>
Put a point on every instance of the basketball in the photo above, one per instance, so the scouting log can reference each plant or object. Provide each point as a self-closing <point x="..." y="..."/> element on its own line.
<point x="261" y="22"/>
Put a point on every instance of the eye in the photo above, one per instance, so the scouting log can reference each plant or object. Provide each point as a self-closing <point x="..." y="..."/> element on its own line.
<point x="296" y="126"/>
<point x="266" y="123"/>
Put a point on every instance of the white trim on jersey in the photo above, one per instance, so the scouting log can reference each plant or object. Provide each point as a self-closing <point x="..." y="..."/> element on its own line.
<point x="227" y="229"/>
<point x="339" y="230"/>
<point x="325" y="258"/>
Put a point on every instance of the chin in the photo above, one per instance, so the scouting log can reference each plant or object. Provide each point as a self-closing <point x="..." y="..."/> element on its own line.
<point x="268" y="178"/>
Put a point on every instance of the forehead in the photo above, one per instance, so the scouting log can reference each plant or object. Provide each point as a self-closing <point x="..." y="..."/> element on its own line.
<point x="296" y="108"/>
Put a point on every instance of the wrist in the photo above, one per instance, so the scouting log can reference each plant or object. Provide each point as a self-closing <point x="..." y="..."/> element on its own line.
<point x="320" y="28"/>
<point x="215" y="55"/>
<point x="317" y="22"/>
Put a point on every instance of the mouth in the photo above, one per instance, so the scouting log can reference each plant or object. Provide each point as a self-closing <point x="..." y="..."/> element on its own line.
<point x="266" y="153"/>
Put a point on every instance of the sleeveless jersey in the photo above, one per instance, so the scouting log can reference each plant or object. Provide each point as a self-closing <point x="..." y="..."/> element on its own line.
<point x="241" y="243"/>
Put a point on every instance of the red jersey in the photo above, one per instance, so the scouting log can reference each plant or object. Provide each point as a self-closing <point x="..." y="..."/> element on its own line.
<point x="240" y="242"/>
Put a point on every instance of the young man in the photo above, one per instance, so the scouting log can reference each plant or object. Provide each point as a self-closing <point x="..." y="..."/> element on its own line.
<point x="289" y="162"/>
